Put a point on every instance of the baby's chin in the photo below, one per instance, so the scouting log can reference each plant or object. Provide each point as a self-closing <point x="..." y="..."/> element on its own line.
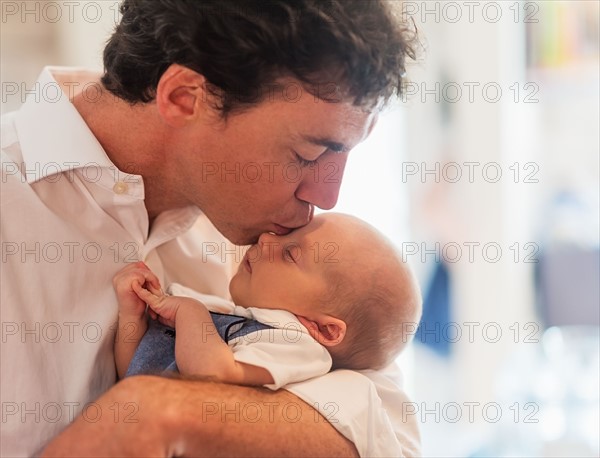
<point x="237" y="296"/>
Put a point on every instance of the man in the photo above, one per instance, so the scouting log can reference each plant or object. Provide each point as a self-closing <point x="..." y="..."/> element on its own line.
<point x="241" y="112"/>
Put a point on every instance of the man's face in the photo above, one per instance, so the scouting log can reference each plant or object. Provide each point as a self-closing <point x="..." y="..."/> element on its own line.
<point x="289" y="271"/>
<point x="263" y="170"/>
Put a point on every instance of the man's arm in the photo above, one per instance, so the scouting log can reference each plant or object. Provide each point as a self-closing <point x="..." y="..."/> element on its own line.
<point x="154" y="416"/>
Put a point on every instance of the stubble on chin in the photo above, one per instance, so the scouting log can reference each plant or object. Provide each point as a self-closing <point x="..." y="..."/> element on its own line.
<point x="240" y="237"/>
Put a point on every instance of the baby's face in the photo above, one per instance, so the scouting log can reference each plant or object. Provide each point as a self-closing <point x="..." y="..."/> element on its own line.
<point x="289" y="272"/>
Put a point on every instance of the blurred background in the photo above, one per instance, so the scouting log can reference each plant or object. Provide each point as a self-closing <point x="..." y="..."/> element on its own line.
<point x="486" y="175"/>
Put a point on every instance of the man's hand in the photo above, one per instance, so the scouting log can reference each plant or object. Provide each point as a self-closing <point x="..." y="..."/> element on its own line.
<point x="155" y="416"/>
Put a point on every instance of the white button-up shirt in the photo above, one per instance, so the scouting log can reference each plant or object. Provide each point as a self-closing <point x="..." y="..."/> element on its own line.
<point x="69" y="221"/>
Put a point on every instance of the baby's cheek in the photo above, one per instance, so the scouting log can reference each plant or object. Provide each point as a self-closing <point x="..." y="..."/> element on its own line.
<point x="239" y="291"/>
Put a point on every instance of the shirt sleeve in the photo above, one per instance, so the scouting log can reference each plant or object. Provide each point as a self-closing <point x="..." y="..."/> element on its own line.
<point x="367" y="407"/>
<point x="287" y="351"/>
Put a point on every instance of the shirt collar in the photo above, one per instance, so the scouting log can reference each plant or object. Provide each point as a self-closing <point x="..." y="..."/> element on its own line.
<point x="54" y="137"/>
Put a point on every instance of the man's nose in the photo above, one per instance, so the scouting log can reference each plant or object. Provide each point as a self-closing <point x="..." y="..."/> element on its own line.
<point x="320" y="185"/>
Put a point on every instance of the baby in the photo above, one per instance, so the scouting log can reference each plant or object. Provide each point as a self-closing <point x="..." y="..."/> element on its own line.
<point x="337" y="283"/>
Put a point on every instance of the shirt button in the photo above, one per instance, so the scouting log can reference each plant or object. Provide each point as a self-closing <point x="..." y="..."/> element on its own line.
<point x="120" y="188"/>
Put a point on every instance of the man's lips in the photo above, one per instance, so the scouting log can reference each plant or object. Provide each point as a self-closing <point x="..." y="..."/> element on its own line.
<point x="282" y="230"/>
<point x="285" y="230"/>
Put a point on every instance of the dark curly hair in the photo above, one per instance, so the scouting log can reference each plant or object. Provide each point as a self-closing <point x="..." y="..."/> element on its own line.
<point x="358" y="47"/>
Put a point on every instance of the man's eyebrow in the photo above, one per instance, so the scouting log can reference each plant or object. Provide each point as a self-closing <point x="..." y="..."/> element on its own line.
<point x="336" y="147"/>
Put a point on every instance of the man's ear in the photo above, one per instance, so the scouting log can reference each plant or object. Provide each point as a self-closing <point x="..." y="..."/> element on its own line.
<point x="180" y="94"/>
<point x="326" y="330"/>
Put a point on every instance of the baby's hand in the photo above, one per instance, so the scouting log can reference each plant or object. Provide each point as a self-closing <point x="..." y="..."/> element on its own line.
<point x="161" y="305"/>
<point x="126" y="281"/>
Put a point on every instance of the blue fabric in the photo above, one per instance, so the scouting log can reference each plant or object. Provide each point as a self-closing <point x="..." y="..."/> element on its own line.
<point x="156" y="351"/>
<point x="437" y="311"/>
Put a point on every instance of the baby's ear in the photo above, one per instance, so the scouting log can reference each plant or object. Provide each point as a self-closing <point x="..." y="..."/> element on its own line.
<point x="327" y="330"/>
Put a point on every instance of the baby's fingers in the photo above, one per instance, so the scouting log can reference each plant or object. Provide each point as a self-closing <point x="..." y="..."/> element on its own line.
<point x="149" y="298"/>
<point x="150" y="278"/>
<point x="154" y="290"/>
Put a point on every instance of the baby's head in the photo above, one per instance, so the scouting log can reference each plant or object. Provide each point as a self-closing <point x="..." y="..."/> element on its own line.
<point x="344" y="281"/>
